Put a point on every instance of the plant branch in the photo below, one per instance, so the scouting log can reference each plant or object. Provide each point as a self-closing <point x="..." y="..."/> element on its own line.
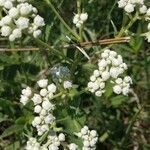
<point x="62" y="20"/>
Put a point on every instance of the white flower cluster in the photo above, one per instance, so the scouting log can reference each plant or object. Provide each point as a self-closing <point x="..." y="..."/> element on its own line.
<point x="21" y="17"/>
<point x="122" y="86"/>
<point x="73" y="146"/>
<point x="79" y="19"/>
<point x="42" y="105"/>
<point x="32" y="144"/>
<point x="26" y="95"/>
<point x="111" y="66"/>
<point x="129" y="5"/>
<point x="53" y="142"/>
<point x="89" y="138"/>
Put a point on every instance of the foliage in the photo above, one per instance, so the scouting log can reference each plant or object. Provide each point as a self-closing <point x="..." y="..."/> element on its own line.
<point x="121" y="122"/>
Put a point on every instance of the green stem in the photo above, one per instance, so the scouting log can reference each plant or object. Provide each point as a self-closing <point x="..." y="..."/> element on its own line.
<point x="57" y="95"/>
<point x="129" y="128"/>
<point x="124" y="29"/>
<point x="58" y="53"/>
<point x="62" y="20"/>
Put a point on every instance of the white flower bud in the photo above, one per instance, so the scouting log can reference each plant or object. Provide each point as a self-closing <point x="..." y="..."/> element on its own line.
<point x="37" y="109"/>
<point x="86" y="143"/>
<point x="39" y="21"/>
<point x="148" y="12"/>
<point x="43" y="112"/>
<point x="78" y="25"/>
<point x="117" y="89"/>
<point x="128" y="79"/>
<point x="27" y="92"/>
<point x="125" y="91"/>
<point x="113" y="53"/>
<point x="118" y="80"/>
<point x="107" y="51"/>
<point x="76" y="19"/>
<point x="24" y="99"/>
<point x="93" y="133"/>
<point x="8" y="5"/>
<point x="49" y="119"/>
<point x="122" y="3"/>
<point x="43" y="92"/>
<point x="102" y="63"/>
<point x="46" y="105"/>
<point x="102" y="85"/>
<point x="25" y="10"/>
<point x="84" y="16"/>
<point x="12" y="37"/>
<point x="114" y="72"/>
<point x="115" y="62"/>
<point x="44" y="128"/>
<point x="6" y="20"/>
<point x="52" y="88"/>
<point x="92" y="78"/>
<point x="129" y="8"/>
<point x="22" y="23"/>
<point x="98" y="93"/>
<point x="90" y="84"/>
<point x="143" y="9"/>
<point x="37" y="120"/>
<point x="93" y="142"/>
<point x="13" y="12"/>
<point x="67" y="84"/>
<point x="105" y="75"/>
<point x="37" y="33"/>
<point x="104" y="55"/>
<point x="37" y="99"/>
<point x="6" y="31"/>
<point x="95" y="86"/>
<point x="84" y="131"/>
<point x="96" y="73"/>
<point x="2" y="2"/>
<point x="72" y="146"/>
<point x="61" y="137"/>
<point x="42" y="83"/>
<point x="17" y="33"/>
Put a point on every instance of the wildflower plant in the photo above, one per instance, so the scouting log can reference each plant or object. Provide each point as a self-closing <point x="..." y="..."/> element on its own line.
<point x="75" y="90"/>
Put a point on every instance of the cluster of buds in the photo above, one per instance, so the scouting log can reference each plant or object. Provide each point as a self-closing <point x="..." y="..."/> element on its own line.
<point x="42" y="105"/>
<point x="53" y="142"/>
<point x="130" y="5"/>
<point x="122" y="85"/>
<point x="20" y="17"/>
<point x="89" y="138"/>
<point x="79" y="19"/>
<point x="144" y="12"/>
<point x="73" y="146"/>
<point x="110" y="67"/>
<point x="26" y="95"/>
<point x="32" y="144"/>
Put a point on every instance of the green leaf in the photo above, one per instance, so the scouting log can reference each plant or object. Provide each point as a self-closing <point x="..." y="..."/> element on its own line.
<point x="117" y="101"/>
<point x="13" y="146"/>
<point x="108" y="89"/>
<point x="11" y="130"/>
